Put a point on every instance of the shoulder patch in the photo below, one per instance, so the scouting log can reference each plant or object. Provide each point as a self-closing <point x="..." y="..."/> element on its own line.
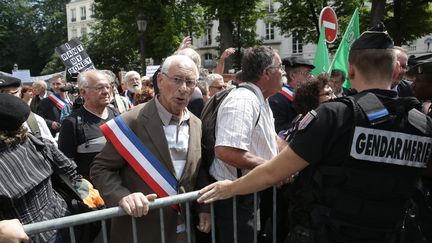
<point x="419" y="121"/>
<point x="307" y="119"/>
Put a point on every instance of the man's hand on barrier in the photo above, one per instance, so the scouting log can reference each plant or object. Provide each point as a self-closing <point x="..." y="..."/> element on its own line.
<point x="217" y="191"/>
<point x="11" y="231"/>
<point x="204" y="222"/>
<point x="136" y="204"/>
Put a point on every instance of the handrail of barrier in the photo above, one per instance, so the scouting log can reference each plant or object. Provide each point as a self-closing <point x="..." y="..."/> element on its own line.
<point x="103" y="214"/>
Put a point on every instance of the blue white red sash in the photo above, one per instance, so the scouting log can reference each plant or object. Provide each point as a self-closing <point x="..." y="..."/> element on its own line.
<point x="287" y="92"/>
<point x="144" y="163"/>
<point x="58" y="101"/>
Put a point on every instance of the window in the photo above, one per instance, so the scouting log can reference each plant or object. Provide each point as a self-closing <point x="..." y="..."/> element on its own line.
<point x="208" y="36"/>
<point x="92" y="11"/>
<point x="74" y="33"/>
<point x="83" y="31"/>
<point x="83" y="13"/>
<point x="73" y="15"/>
<point x="208" y="56"/>
<point x="297" y="43"/>
<point x="412" y="46"/>
<point x="269" y="31"/>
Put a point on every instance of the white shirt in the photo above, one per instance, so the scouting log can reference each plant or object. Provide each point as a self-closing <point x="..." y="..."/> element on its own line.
<point x="235" y="127"/>
<point x="43" y="128"/>
<point x="177" y="136"/>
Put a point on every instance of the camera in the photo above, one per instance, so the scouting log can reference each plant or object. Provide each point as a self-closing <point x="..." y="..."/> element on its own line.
<point x="70" y="88"/>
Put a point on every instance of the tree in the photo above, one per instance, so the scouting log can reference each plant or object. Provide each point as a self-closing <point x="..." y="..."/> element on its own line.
<point x="29" y="32"/>
<point x="408" y="20"/>
<point x="401" y="17"/>
<point x="301" y="17"/>
<point x="237" y="21"/>
<point x="115" y="42"/>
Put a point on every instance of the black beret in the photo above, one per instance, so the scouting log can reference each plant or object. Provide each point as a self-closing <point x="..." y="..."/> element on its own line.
<point x="290" y="62"/>
<point x="423" y="64"/>
<point x="375" y="38"/>
<point x="9" y="81"/>
<point x="13" y="112"/>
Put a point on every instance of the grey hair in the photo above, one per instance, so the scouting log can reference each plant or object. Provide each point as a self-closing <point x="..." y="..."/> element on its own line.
<point x="213" y="77"/>
<point x="129" y="74"/>
<point x="182" y="61"/>
<point x="83" y="79"/>
<point x="203" y="86"/>
<point x="41" y="83"/>
<point x="192" y="54"/>
<point x="109" y="74"/>
<point x="255" y="60"/>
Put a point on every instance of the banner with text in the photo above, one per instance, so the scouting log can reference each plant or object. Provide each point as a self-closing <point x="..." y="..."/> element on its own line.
<point x="74" y="57"/>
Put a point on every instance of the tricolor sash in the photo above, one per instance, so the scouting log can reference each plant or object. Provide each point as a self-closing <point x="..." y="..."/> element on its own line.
<point x="57" y="101"/>
<point x="285" y="91"/>
<point x="144" y="163"/>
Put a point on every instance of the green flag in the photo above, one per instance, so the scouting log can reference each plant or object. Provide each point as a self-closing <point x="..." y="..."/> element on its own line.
<point x="321" y="60"/>
<point x="340" y="60"/>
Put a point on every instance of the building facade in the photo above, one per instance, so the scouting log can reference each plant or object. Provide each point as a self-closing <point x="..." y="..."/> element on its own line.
<point x="79" y="18"/>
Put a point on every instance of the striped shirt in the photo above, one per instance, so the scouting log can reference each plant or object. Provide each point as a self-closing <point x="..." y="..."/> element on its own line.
<point x="235" y="127"/>
<point x="26" y="192"/>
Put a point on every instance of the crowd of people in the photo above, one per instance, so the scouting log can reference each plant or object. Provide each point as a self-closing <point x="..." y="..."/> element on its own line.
<point x="346" y="162"/>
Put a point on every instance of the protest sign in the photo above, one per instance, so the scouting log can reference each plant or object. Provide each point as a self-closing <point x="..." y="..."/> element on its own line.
<point x="74" y="57"/>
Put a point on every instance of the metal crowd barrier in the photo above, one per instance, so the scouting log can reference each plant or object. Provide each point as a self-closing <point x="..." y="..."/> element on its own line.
<point x="104" y="214"/>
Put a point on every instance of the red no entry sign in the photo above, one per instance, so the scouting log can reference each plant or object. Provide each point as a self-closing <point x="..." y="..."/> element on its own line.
<point x="329" y="20"/>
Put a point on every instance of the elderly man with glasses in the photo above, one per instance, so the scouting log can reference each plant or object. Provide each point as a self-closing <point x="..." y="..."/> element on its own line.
<point x="80" y="137"/>
<point x="163" y="133"/>
<point x="297" y="70"/>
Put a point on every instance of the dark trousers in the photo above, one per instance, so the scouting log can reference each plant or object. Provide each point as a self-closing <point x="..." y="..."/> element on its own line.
<point x="224" y="220"/>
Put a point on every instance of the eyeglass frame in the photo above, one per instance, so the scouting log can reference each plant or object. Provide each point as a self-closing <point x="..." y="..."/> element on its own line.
<point x="99" y="88"/>
<point x="179" y="81"/>
<point x="280" y="66"/>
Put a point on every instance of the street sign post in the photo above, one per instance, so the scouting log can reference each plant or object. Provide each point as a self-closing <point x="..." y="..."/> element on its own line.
<point x="328" y="18"/>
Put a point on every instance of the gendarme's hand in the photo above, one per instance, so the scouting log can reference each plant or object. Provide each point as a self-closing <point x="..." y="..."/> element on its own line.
<point x="217" y="191"/>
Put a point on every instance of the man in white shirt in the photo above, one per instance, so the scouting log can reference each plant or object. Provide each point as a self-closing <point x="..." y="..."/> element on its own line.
<point x="245" y="137"/>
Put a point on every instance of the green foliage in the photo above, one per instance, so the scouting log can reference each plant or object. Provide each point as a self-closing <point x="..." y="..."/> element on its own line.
<point x="29" y="32"/>
<point x="402" y="23"/>
<point x="115" y="42"/>
<point x="237" y="23"/>
<point x="302" y="17"/>
<point x="413" y="21"/>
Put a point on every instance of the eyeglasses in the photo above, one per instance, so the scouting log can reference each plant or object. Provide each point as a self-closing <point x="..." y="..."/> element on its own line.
<point x="99" y="88"/>
<point x="190" y="83"/>
<point x="305" y="73"/>
<point x="221" y="87"/>
<point x="280" y="66"/>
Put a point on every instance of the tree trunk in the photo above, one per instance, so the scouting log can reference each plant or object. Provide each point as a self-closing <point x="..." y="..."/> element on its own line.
<point x="377" y="11"/>
<point x="226" y="28"/>
<point x="397" y="10"/>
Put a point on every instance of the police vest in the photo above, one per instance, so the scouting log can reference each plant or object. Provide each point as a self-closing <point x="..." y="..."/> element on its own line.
<point x="367" y="193"/>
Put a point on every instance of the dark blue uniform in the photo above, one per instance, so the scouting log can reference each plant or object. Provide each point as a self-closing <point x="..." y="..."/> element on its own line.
<point x="365" y="160"/>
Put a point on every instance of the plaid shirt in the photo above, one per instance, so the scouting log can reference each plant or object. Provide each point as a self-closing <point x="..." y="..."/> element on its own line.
<point x="26" y="191"/>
